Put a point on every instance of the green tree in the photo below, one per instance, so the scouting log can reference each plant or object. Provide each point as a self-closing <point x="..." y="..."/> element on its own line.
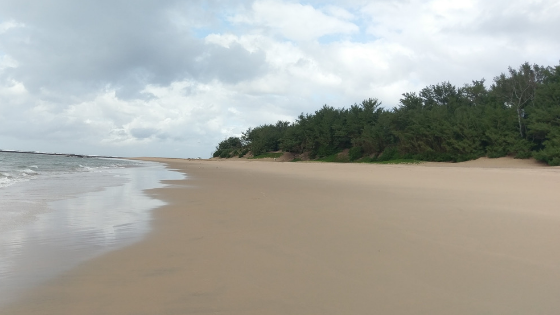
<point x="518" y="115"/>
<point x="265" y="138"/>
<point x="517" y="90"/>
<point x="544" y="118"/>
<point x="228" y="147"/>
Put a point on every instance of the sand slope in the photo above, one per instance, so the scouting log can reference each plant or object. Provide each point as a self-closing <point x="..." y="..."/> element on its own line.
<point x="249" y="237"/>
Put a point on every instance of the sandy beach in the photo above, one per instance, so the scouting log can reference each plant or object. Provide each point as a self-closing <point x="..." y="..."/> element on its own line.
<point x="265" y="237"/>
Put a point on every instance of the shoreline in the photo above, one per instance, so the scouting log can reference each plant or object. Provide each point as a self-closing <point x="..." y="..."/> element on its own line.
<point x="239" y="237"/>
<point x="85" y="215"/>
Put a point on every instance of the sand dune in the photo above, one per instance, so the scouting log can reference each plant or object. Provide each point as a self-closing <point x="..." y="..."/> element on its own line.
<point x="245" y="237"/>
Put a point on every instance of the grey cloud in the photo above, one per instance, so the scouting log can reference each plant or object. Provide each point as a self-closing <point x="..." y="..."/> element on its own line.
<point x="143" y="133"/>
<point x="231" y="64"/>
<point x="80" y="46"/>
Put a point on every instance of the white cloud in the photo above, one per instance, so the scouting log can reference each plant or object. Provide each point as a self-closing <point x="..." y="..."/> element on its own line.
<point x="338" y="12"/>
<point x="13" y="89"/>
<point x="9" y="24"/>
<point x="297" y="22"/>
<point x="7" y="62"/>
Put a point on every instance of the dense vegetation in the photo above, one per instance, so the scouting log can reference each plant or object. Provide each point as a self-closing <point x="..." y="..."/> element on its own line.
<point x="517" y="115"/>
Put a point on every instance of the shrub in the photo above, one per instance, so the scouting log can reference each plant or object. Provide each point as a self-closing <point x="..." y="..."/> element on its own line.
<point x="268" y="155"/>
<point x="355" y="153"/>
<point x="337" y="158"/>
<point x="326" y="150"/>
<point x="389" y="154"/>
<point x="549" y="155"/>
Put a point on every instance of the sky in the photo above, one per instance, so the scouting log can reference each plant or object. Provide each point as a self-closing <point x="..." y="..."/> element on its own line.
<point x="174" y="78"/>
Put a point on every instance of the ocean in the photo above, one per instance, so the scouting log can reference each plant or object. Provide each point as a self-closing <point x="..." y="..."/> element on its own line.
<point x="58" y="211"/>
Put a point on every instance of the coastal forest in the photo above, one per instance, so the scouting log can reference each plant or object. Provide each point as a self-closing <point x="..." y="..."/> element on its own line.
<point x="517" y="115"/>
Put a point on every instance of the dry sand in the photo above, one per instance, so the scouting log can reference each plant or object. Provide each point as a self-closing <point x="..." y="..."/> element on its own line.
<point x="242" y="237"/>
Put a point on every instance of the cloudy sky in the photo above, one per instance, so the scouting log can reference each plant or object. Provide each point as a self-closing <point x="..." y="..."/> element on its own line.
<point x="173" y="78"/>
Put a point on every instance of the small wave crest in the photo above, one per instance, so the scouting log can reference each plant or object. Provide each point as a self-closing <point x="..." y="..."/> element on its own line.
<point x="28" y="172"/>
<point x="100" y="168"/>
<point x="118" y="165"/>
<point x="82" y="168"/>
<point x="29" y="167"/>
<point x="8" y="180"/>
<point x="5" y="181"/>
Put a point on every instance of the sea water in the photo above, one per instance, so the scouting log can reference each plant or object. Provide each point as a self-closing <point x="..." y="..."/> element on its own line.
<point x="58" y="211"/>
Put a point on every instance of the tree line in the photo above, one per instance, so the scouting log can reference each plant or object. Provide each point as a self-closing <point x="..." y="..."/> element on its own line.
<point x="517" y="115"/>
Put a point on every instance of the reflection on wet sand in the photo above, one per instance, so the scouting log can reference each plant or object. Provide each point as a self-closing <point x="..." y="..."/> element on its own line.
<point x="71" y="230"/>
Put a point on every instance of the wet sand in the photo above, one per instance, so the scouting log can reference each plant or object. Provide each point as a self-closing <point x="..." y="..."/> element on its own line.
<point x="264" y="237"/>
